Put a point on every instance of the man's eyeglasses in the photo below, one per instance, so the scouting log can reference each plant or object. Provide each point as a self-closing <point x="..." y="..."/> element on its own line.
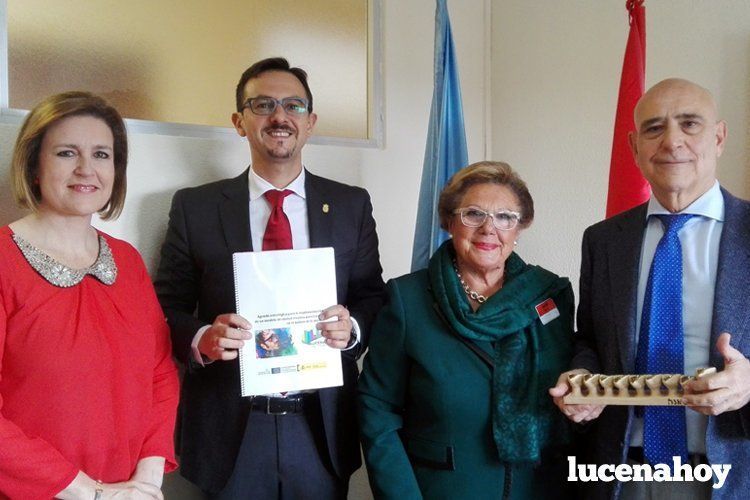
<point x="504" y="220"/>
<point x="267" y="105"/>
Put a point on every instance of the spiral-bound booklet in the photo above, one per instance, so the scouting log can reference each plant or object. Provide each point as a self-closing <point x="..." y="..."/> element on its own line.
<point x="281" y="293"/>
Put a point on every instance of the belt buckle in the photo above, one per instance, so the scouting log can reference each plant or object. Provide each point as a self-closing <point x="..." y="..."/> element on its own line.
<point x="268" y="408"/>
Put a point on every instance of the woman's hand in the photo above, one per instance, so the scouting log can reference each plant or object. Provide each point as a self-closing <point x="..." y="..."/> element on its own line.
<point x="149" y="470"/>
<point x="576" y="413"/>
<point x="84" y="488"/>
<point x="145" y="484"/>
<point x="130" y="490"/>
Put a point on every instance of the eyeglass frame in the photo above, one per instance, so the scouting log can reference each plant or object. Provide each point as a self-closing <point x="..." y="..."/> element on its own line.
<point x="516" y="217"/>
<point x="276" y="103"/>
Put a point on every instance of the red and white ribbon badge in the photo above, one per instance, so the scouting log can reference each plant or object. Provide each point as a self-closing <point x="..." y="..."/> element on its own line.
<point x="547" y="311"/>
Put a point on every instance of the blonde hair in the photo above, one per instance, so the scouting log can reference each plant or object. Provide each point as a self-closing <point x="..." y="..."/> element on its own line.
<point x="48" y="112"/>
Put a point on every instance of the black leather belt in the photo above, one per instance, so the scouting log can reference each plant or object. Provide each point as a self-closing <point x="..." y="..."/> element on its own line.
<point x="278" y="406"/>
<point x="635" y="453"/>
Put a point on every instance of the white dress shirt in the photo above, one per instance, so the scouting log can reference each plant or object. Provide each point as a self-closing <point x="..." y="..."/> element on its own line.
<point x="295" y="209"/>
<point x="700" y="239"/>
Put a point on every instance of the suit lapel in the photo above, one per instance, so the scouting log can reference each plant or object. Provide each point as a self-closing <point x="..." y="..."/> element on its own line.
<point x="234" y="213"/>
<point x="320" y="209"/>
<point x="732" y="293"/>
<point x="624" y="251"/>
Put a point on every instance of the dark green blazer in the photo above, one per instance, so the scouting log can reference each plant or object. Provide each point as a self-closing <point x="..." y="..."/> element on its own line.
<point x="425" y="403"/>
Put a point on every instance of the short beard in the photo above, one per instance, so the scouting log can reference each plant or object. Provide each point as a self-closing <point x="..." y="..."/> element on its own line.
<point x="280" y="153"/>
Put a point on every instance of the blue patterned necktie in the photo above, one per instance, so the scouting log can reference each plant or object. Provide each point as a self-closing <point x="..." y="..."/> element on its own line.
<point x="661" y="343"/>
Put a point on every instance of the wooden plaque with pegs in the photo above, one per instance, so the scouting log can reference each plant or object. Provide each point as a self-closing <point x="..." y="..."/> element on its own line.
<point x="634" y="390"/>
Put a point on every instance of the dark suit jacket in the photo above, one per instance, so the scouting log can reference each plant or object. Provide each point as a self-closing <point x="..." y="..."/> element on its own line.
<point x="607" y="325"/>
<point x="195" y="284"/>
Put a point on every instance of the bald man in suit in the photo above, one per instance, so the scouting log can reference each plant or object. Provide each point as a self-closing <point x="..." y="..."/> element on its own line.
<point x="677" y="143"/>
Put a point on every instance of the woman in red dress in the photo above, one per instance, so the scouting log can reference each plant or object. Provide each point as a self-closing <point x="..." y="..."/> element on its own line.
<point x="88" y="389"/>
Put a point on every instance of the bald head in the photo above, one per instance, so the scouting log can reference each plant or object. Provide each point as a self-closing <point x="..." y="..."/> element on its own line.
<point x="677" y="141"/>
<point x="673" y="88"/>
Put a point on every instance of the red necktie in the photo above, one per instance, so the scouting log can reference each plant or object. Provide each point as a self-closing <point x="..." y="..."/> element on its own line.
<point x="278" y="235"/>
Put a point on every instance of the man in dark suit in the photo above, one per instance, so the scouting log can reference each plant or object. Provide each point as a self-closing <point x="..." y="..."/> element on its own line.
<point x="281" y="445"/>
<point x="677" y="142"/>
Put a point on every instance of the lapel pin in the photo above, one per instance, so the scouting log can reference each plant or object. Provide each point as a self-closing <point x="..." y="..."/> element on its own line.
<point x="547" y="311"/>
<point x="325" y="208"/>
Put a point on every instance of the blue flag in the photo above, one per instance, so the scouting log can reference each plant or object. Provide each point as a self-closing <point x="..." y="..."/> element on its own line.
<point x="445" y="153"/>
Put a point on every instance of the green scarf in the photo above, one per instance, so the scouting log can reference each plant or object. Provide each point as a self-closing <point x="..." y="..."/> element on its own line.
<point x="522" y="425"/>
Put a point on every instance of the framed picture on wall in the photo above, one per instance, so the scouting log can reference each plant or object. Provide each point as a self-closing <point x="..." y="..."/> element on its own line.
<point x="171" y="66"/>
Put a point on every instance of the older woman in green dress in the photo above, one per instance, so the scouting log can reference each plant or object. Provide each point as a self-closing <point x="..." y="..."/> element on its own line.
<point x="453" y="395"/>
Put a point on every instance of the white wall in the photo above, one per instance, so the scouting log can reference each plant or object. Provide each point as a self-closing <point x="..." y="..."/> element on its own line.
<point x="555" y="72"/>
